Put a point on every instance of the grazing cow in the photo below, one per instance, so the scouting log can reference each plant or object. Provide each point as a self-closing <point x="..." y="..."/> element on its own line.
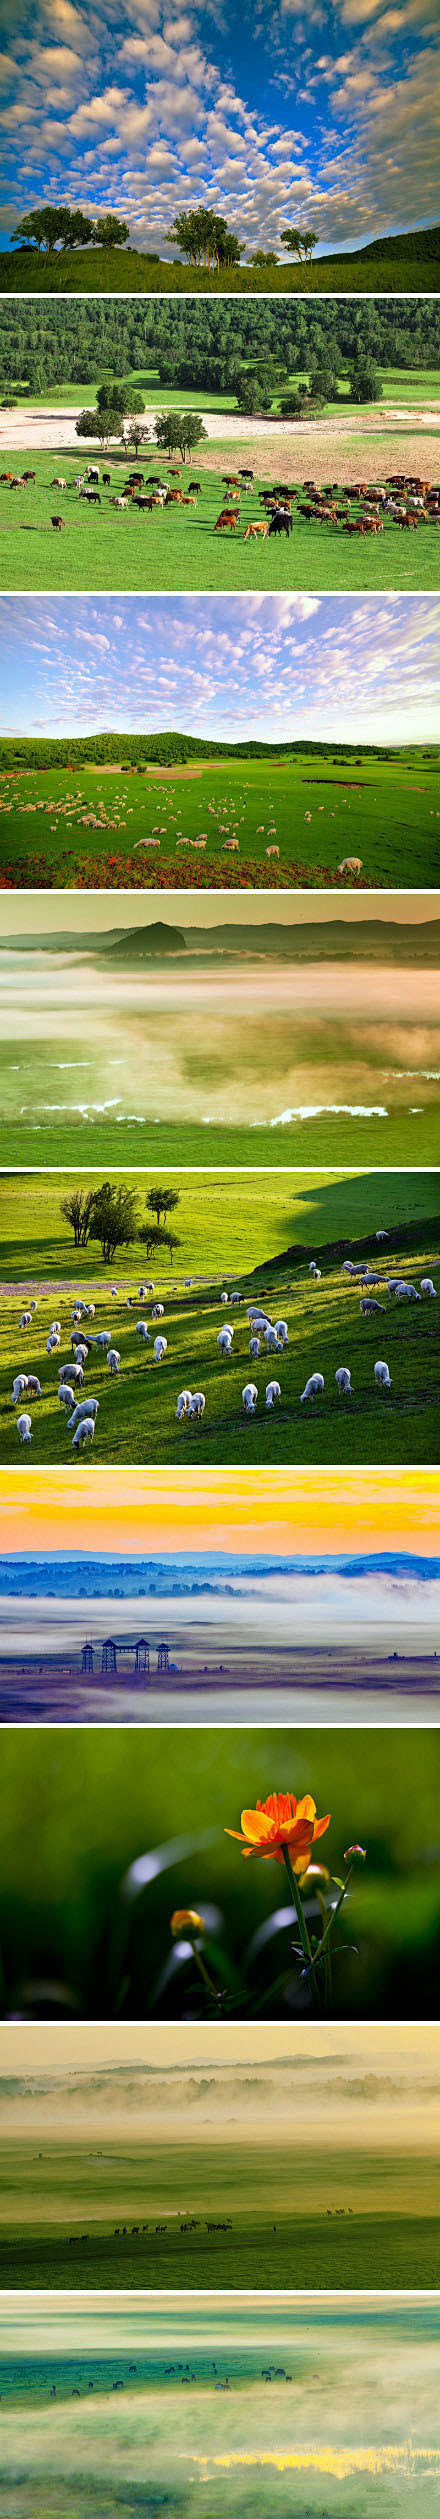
<point x="281" y="522"/>
<point x="260" y="526"/>
<point x="58" y="523"/>
<point x="59" y="483"/>
<point x="29" y="476"/>
<point x="92" y="497"/>
<point x="229" y="516"/>
<point x="193" y="485"/>
<point x="118" y="502"/>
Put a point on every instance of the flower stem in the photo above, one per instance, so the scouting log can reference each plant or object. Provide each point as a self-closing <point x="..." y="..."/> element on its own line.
<point x="203" y="1970"/>
<point x="323" y="1945"/>
<point x="297" y="1903"/>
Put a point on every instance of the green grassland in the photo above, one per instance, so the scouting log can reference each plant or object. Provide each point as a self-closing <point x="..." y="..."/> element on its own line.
<point x="387" y="814"/>
<point x="137" y="1409"/>
<point x="399" y="384"/>
<point x="176" y="548"/>
<point x="406" y="1139"/>
<point x="281" y="2203"/>
<point x="408" y="262"/>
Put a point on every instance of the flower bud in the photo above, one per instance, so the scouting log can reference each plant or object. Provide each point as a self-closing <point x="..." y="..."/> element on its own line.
<point x="355" y="1854"/>
<point x="185" y="1920"/>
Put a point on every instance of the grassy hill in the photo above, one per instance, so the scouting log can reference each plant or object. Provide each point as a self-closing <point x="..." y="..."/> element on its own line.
<point x="409" y="262"/>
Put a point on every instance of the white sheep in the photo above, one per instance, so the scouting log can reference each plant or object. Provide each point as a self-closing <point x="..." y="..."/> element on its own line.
<point x="34" y="1386"/>
<point x="80" y="1351"/>
<point x="273" y="1393"/>
<point x="24" y="1429"/>
<point x="55" y="1329"/>
<point x="160" y="1349"/>
<point x="257" y="1319"/>
<point x="313" y="1268"/>
<point x="197" y="1404"/>
<point x="114" y="1290"/>
<point x="65" y="1395"/>
<point x="142" y="1330"/>
<point x="343" y="1378"/>
<point x="313" y="1387"/>
<point x="236" y="1298"/>
<point x="382" y="1234"/>
<point x="84" y="1408"/>
<point x="89" y="1309"/>
<point x="271" y="1341"/>
<point x="147" y="1289"/>
<point x="370" y="1304"/>
<point x="25" y="1320"/>
<point x="426" y="1286"/>
<point x="75" y="1371"/>
<point x="113" y="1359"/>
<point x="84" y="1433"/>
<point x="224" y="1341"/>
<point x="249" y="1398"/>
<point x="408" y="1292"/>
<point x="282" y="1333"/>
<point x="224" y="1298"/>
<point x="103" y="1339"/>
<point x="348" y="1268"/>
<point x="158" y="1311"/>
<point x="382" y="1376"/>
<point x="33" y="1306"/>
<point x="19" y="1387"/>
<point x="52" y="1343"/>
<point x="254" y="1347"/>
<point x="183" y="1404"/>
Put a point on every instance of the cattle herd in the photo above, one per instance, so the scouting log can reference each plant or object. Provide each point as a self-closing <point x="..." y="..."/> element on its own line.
<point x="379" y="1294"/>
<point x="404" y="500"/>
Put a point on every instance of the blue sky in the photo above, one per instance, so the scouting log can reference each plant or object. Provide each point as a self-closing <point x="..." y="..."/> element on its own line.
<point x="276" y="666"/>
<point x="320" y="114"/>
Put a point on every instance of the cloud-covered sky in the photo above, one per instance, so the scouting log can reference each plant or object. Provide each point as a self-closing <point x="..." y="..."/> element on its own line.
<point x="274" y="667"/>
<point x="321" y="116"/>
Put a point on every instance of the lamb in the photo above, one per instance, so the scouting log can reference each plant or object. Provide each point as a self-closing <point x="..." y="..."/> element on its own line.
<point x="34" y="1386"/>
<point x="55" y="1329"/>
<point x="370" y="1304"/>
<point x="84" y="1433"/>
<point x="254" y="1347"/>
<point x="19" y="1387"/>
<point x="224" y="1341"/>
<point x="142" y="1330"/>
<point x="158" y="1311"/>
<point x="24" y="1429"/>
<point x="26" y="1320"/>
<point x="65" y="1395"/>
<point x="426" y="1286"/>
<point x="249" y="1398"/>
<point x="160" y="1349"/>
<point x="258" y="1320"/>
<point x="273" y="1393"/>
<point x="350" y="866"/>
<point x="113" y="1359"/>
<point x="51" y="1343"/>
<point x="313" y="1387"/>
<point x="197" y="1404"/>
<point x="272" y="1343"/>
<point x="282" y="1333"/>
<point x="382" y="1376"/>
<point x="103" y="1339"/>
<point x="183" y="1405"/>
<point x="343" y="1378"/>
<point x="84" y="1408"/>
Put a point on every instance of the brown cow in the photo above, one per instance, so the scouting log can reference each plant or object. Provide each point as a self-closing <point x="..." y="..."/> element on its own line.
<point x="58" y="523"/>
<point x="259" y="527"/>
<point x="229" y="516"/>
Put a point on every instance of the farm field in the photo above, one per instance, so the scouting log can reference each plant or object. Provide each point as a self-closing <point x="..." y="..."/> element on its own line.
<point x="177" y="547"/>
<point x="386" y="2234"/>
<point x="136" y="1418"/>
<point x="139" y="827"/>
<point x="408" y="262"/>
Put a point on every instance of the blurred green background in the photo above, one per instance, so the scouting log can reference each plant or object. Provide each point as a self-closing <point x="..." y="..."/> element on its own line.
<point x="77" y="1810"/>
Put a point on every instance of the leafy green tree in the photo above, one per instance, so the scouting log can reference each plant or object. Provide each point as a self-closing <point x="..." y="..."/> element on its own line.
<point x="135" y="435"/>
<point x="178" y="432"/>
<point x="110" y="231"/>
<point x="167" y="432"/>
<point x="158" y="1238"/>
<point x="204" y="238"/>
<point x="161" y="1202"/>
<point x="262" y="258"/>
<point x="365" y="384"/>
<point x="301" y="241"/>
<point x="80" y="230"/>
<point x="77" y="1210"/>
<point x="113" y="1220"/>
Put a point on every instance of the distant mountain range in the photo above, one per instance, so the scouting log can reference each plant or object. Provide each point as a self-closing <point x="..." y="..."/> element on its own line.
<point x="65" y="1574"/>
<point x="380" y="940"/>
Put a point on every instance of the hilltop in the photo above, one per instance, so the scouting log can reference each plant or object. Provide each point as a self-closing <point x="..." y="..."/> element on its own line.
<point x="333" y="939"/>
<point x="410" y="262"/>
<point x="172" y="746"/>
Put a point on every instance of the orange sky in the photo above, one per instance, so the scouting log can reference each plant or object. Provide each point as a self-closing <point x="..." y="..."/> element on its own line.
<point x="277" y="1510"/>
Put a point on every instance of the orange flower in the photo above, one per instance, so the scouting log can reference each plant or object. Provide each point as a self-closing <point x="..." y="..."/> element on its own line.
<point x="280" y="1822"/>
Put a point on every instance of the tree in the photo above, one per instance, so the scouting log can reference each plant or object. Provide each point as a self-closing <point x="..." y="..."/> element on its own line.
<point x="80" y="229"/>
<point x="114" y="1218"/>
<point x="135" y="435"/>
<point x="204" y="238"/>
<point x="300" y="241"/>
<point x="264" y="256"/>
<point x="112" y="404"/>
<point x="52" y="227"/>
<point x="161" y="1201"/>
<point x="178" y="432"/>
<point x="110" y="231"/>
<point x="365" y="384"/>
<point x="158" y="1238"/>
<point x="77" y="1211"/>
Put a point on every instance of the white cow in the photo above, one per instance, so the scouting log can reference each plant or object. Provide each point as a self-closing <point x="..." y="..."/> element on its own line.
<point x="313" y="1387"/>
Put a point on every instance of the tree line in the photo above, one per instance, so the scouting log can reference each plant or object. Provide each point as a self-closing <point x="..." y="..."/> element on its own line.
<point x="200" y="345"/>
<point x="110" y="1215"/>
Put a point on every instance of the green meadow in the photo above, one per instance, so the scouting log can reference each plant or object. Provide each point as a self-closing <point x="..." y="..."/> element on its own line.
<point x="408" y="262"/>
<point x="141" y="827"/>
<point x="102" y="548"/>
<point x="137" y="1407"/>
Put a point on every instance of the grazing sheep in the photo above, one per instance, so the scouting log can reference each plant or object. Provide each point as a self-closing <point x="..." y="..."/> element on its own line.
<point x="19" y="1387"/>
<point x="51" y="1344"/>
<point x="236" y="1298"/>
<point x="103" y="1339"/>
<point x="224" y="1298"/>
<point x="33" y="1307"/>
<point x="282" y="1333"/>
<point x="313" y="1387"/>
<point x="254" y="1347"/>
<point x="183" y="1405"/>
<point x="34" y="1386"/>
<point x="343" y="1378"/>
<point x="249" y="1398"/>
<point x="197" y="1404"/>
<point x="382" y="1234"/>
<point x="25" y="1320"/>
<point x="142" y="1330"/>
<point x="314" y="1271"/>
<point x="24" y="1429"/>
<point x="403" y="1290"/>
<point x="271" y="1341"/>
<point x="273" y="1393"/>
<point x="65" y="1395"/>
<point x="84" y="1408"/>
<point x="158" y="1311"/>
<point x="84" y="1433"/>
<point x="426" y="1286"/>
<point x="142" y="1290"/>
<point x="55" y="1329"/>
<point x="350" y="866"/>
<point x="160" y="1349"/>
<point x="113" y="1359"/>
<point x="348" y="1268"/>
<point x="369" y="1304"/>
<point x="224" y="1341"/>
<point x="382" y="1376"/>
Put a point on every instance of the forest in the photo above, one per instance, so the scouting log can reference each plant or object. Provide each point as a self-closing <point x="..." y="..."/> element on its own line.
<point x="201" y="345"/>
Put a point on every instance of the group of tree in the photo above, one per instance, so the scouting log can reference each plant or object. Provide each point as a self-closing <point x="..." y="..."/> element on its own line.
<point x="207" y="345"/>
<point x="56" y="229"/>
<point x="204" y="239"/>
<point x="113" y="417"/>
<point x="109" y="1215"/>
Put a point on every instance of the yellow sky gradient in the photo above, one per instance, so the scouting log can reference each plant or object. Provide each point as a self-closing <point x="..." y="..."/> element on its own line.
<point x="77" y="912"/>
<point x="273" y="1511"/>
